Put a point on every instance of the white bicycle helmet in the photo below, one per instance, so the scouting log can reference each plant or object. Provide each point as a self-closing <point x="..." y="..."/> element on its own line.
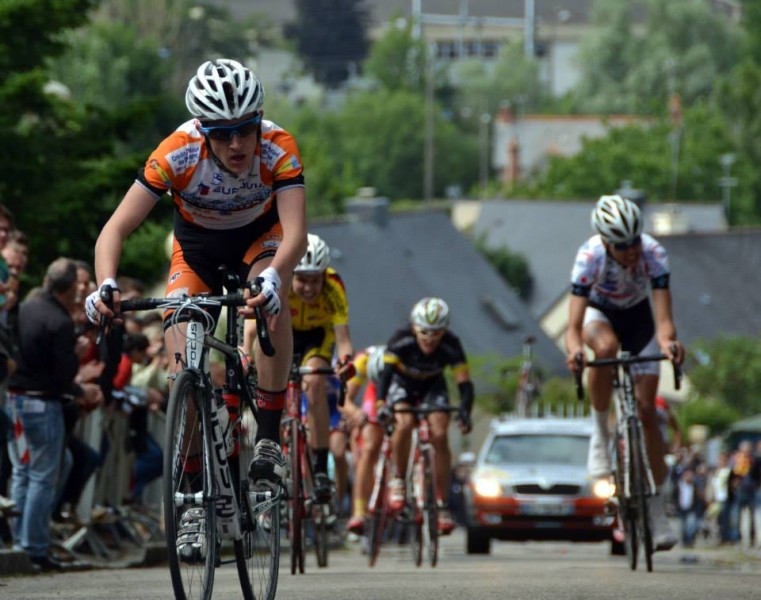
<point x="375" y="362"/>
<point x="616" y="219"/>
<point x="223" y="89"/>
<point x="430" y="313"/>
<point x="317" y="257"/>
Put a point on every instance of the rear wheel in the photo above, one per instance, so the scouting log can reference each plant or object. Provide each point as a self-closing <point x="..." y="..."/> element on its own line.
<point x="188" y="468"/>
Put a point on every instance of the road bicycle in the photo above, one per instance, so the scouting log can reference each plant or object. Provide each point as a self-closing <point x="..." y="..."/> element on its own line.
<point x="302" y="505"/>
<point x="632" y="476"/>
<point x="419" y="518"/>
<point x="204" y="462"/>
<point x="528" y="385"/>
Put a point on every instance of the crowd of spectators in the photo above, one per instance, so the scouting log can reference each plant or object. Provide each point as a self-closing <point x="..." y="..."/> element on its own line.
<point x="720" y="502"/>
<point x="53" y="375"/>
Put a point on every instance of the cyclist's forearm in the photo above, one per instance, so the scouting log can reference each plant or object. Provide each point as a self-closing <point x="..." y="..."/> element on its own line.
<point x="467" y="396"/>
<point x="664" y="321"/>
<point x="292" y="212"/>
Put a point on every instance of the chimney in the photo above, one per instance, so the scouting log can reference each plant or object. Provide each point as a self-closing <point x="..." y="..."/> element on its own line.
<point x="366" y="206"/>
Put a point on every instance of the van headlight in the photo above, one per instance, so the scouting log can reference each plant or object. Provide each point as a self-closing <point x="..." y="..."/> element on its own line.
<point x="487" y="487"/>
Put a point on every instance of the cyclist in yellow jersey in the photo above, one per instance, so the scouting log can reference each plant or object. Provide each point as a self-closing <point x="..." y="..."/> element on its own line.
<point x="319" y="313"/>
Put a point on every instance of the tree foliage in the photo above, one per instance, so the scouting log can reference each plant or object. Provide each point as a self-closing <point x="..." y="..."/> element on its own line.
<point x="397" y="61"/>
<point x="684" y="48"/>
<point x="512" y="266"/>
<point x="729" y="372"/>
<point x="330" y="37"/>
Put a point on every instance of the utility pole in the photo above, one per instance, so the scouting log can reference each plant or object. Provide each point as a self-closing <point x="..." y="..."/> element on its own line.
<point x="429" y="126"/>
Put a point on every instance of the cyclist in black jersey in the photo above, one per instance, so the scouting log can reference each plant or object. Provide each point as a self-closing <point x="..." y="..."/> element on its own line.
<point x="416" y="356"/>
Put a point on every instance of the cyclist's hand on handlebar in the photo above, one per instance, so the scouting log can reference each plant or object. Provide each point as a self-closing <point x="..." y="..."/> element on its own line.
<point x="674" y="350"/>
<point x="97" y="303"/>
<point x="572" y="359"/>
<point x="346" y="369"/>
<point x="268" y="282"/>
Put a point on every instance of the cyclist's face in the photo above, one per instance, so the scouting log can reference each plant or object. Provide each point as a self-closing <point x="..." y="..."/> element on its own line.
<point x="237" y="152"/>
<point x="428" y="340"/>
<point x="308" y="286"/>
<point x="627" y="257"/>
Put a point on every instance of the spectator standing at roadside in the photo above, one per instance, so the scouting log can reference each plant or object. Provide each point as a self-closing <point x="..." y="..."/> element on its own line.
<point x="43" y="382"/>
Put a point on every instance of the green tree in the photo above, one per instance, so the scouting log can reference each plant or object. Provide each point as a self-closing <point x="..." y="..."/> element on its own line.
<point x="728" y="372"/>
<point x="382" y="137"/>
<point x="685" y="45"/>
<point x="330" y="37"/>
<point x="397" y="61"/>
<point x="641" y="153"/>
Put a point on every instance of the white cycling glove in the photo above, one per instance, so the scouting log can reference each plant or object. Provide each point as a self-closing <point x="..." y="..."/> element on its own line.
<point x="269" y="281"/>
<point x="93" y="314"/>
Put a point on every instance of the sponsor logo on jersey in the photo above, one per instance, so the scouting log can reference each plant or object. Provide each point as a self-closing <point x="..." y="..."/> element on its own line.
<point x="183" y="158"/>
<point x="178" y="293"/>
<point x="203" y="190"/>
<point x="154" y="164"/>
<point x="174" y="277"/>
<point x="271" y="244"/>
<point x="271" y="154"/>
<point x="217" y="179"/>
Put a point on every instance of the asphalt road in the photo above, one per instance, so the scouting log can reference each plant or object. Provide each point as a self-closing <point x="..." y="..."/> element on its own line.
<point x="531" y="571"/>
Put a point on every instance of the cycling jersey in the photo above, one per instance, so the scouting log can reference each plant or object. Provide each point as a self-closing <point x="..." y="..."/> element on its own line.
<point x="415" y="371"/>
<point x="331" y="308"/>
<point x="209" y="196"/>
<point x="314" y="322"/>
<point x="608" y="284"/>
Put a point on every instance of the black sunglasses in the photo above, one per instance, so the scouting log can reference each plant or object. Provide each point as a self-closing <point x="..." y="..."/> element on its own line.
<point x="630" y="244"/>
<point x="225" y="133"/>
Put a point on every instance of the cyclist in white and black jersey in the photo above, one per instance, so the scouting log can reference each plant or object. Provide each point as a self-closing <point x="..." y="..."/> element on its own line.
<point x="613" y="278"/>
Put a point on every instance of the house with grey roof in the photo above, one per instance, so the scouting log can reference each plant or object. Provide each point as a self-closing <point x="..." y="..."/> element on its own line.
<point x="388" y="261"/>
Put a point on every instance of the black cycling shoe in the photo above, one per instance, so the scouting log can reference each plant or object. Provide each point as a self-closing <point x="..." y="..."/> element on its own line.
<point x="323" y="488"/>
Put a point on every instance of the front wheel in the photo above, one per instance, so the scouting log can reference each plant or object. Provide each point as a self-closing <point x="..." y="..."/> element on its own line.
<point x="378" y="513"/>
<point x="431" y="507"/>
<point x="641" y="495"/>
<point x="189" y="490"/>
<point x="257" y="553"/>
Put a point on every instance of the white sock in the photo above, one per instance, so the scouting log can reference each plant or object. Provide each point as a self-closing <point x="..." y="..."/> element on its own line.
<point x="602" y="423"/>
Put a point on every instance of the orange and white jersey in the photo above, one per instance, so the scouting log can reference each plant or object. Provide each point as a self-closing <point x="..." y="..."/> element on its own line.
<point x="209" y="196"/>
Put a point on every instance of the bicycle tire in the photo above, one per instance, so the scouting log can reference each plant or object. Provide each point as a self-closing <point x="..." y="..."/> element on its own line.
<point x="431" y="505"/>
<point x="638" y="480"/>
<point x="320" y="531"/>
<point x="296" y="500"/>
<point x="626" y="512"/>
<point x="415" y="507"/>
<point x="257" y="553"/>
<point x="378" y="511"/>
<point x="188" y="431"/>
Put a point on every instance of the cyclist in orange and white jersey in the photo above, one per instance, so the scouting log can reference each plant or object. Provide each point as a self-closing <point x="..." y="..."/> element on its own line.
<point x="238" y="188"/>
<point x="614" y="275"/>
